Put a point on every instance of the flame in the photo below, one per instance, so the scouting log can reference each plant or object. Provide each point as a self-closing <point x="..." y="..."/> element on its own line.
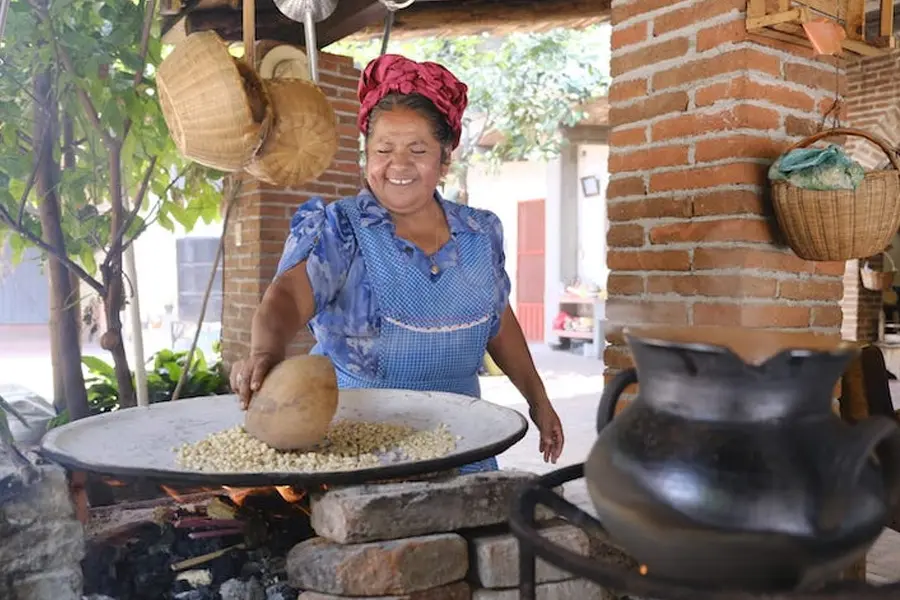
<point x="289" y="494"/>
<point x="172" y="494"/>
<point x="239" y="495"/>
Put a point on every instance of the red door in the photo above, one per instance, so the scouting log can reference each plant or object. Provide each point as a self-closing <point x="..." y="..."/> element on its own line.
<point x="530" y="270"/>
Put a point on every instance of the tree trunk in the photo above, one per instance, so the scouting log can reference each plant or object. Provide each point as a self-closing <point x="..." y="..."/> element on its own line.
<point x="67" y="344"/>
<point x="73" y="304"/>
<point x="112" y="280"/>
<point x="463" y="181"/>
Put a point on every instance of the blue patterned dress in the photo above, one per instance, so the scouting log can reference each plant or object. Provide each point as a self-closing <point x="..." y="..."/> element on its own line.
<point x="387" y="314"/>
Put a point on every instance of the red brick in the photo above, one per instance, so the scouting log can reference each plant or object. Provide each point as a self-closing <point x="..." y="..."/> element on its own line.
<point x="799" y="127"/>
<point x="719" y="35"/>
<point x="826" y="316"/>
<point x="738" y="146"/>
<point x="811" y="290"/>
<point x="707" y="177"/>
<point x="829" y="268"/>
<point x="626" y="36"/>
<point x="722" y="230"/>
<point x="628" y="186"/>
<point x="744" y="88"/>
<point x="654" y="106"/>
<point x="625" y="235"/>
<point x="624" y="285"/>
<point x="751" y="315"/>
<point x="632" y="311"/>
<point x="649" y="55"/>
<point x="648" y="260"/>
<point x="617" y="357"/>
<point x="746" y="116"/>
<point x="825" y="78"/>
<point x="620" y="91"/>
<point x="729" y="202"/>
<point x="621" y="12"/>
<point x="732" y="286"/>
<point x="647" y="208"/>
<point x="650" y="158"/>
<point x="698" y="12"/>
<point x="744" y="59"/>
<point x="628" y="137"/>
<point x="749" y="258"/>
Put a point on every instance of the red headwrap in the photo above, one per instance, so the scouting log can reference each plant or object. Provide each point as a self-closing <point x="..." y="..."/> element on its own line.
<point x="395" y="73"/>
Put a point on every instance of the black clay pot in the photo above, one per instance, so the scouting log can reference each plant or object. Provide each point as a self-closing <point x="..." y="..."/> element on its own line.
<point x="731" y="470"/>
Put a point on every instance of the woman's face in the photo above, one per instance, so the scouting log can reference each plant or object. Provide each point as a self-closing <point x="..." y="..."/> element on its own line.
<point x="403" y="160"/>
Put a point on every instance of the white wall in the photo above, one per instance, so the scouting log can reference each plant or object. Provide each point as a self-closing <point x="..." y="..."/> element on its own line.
<point x="501" y="191"/>
<point x="592" y="224"/>
<point x="155" y="259"/>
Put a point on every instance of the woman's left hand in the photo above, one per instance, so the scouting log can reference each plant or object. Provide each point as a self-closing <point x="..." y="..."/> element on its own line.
<point x="550" y="428"/>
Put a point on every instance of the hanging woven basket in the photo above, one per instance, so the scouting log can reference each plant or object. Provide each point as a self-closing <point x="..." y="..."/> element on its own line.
<point x="877" y="281"/>
<point x="217" y="110"/>
<point x="304" y="138"/>
<point x="840" y="225"/>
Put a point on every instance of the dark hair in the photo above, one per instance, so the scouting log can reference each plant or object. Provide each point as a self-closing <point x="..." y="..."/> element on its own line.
<point x="440" y="128"/>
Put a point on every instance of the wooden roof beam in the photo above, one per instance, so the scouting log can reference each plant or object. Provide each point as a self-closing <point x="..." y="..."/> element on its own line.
<point x="461" y="17"/>
<point x="271" y="24"/>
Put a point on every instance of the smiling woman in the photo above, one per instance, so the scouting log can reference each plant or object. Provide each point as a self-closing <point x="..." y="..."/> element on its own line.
<point x="401" y="288"/>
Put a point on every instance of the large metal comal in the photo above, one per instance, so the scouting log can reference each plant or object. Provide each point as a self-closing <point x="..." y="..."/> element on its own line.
<point x="141" y="442"/>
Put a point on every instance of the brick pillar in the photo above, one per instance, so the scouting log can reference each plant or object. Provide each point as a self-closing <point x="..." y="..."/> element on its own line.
<point x="260" y="219"/>
<point x="861" y="307"/>
<point x="699" y="110"/>
<point x="873" y="93"/>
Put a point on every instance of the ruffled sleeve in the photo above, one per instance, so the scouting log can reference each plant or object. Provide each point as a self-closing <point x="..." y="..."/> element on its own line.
<point x="501" y="277"/>
<point x="321" y="235"/>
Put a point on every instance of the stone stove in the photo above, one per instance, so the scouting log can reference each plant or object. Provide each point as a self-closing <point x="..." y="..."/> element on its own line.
<point x="436" y="539"/>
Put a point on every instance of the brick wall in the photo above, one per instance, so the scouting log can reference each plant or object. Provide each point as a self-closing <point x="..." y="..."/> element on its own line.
<point x="873" y="105"/>
<point x="699" y="109"/>
<point x="260" y="219"/>
<point x="873" y="93"/>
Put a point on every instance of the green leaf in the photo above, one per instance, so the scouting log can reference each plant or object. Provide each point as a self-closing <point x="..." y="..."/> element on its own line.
<point x="98" y="367"/>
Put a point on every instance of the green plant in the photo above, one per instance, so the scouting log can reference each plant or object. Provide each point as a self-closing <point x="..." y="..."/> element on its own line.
<point x="163" y="371"/>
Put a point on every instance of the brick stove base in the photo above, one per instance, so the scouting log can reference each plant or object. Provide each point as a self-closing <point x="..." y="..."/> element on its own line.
<point x="440" y="540"/>
<point x="41" y="541"/>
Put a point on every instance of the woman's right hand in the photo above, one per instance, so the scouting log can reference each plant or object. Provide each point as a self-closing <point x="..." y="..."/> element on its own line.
<point x="248" y="375"/>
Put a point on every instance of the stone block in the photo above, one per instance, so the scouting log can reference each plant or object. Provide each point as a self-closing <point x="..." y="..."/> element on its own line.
<point x="61" y="584"/>
<point x="494" y="558"/>
<point x="400" y="510"/>
<point x="571" y="589"/>
<point x="30" y="502"/>
<point x="42" y="547"/>
<point x="455" y="591"/>
<point x="395" y="567"/>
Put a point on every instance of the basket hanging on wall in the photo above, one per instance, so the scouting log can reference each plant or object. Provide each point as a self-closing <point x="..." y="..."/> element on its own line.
<point x="877" y="281"/>
<point x="840" y="225"/>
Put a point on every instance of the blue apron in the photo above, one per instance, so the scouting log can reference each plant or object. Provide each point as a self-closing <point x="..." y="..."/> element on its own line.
<point x="433" y="325"/>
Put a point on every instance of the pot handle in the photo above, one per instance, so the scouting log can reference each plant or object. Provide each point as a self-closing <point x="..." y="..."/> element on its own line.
<point x="879" y="434"/>
<point x="611" y="393"/>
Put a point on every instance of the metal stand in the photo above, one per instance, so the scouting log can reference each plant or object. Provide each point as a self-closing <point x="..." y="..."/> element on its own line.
<point x="629" y="581"/>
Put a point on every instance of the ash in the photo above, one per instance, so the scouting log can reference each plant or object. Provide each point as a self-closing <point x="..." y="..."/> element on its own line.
<point x="216" y="551"/>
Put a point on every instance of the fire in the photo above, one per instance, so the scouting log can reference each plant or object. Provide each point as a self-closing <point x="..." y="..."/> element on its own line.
<point x="172" y="494"/>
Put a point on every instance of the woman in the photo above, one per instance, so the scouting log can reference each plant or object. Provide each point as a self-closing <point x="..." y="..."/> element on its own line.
<point x="400" y="288"/>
